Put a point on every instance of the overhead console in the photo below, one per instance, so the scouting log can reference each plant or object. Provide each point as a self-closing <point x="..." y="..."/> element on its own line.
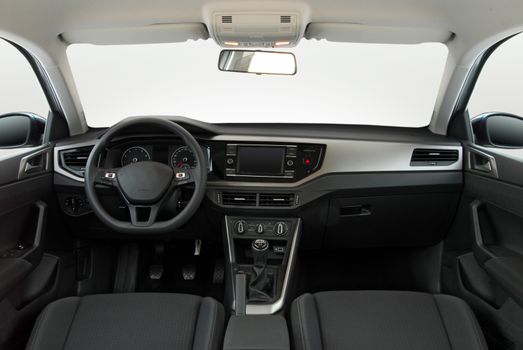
<point x="256" y="29"/>
<point x="266" y="162"/>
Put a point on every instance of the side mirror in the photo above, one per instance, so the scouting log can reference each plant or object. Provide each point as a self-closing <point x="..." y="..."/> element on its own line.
<point x="21" y="129"/>
<point x="499" y="130"/>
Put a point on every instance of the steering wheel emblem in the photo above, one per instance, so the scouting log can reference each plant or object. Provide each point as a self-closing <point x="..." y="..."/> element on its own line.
<point x="181" y="175"/>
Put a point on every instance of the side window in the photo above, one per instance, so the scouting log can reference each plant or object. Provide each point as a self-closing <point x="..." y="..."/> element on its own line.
<point x="23" y="105"/>
<point x="496" y="104"/>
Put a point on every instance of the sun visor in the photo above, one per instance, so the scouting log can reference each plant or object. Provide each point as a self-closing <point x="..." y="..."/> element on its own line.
<point x="155" y="33"/>
<point x="360" y="33"/>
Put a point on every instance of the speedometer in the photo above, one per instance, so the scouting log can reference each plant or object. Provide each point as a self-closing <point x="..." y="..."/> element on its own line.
<point x="134" y="155"/>
<point x="183" y="157"/>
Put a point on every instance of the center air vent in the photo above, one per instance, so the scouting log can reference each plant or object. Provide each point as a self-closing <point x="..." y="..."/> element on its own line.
<point x="433" y="157"/>
<point x="276" y="199"/>
<point x="240" y="199"/>
<point x="226" y="19"/>
<point x="253" y="199"/>
<point x="74" y="160"/>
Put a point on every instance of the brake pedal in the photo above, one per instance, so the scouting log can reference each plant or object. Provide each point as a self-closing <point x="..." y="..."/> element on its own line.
<point x="155" y="271"/>
<point x="189" y="272"/>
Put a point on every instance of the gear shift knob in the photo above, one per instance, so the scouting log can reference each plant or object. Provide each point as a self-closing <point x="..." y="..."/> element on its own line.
<point x="260" y="250"/>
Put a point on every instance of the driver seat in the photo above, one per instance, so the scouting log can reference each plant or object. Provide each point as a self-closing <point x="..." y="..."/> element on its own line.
<point x="157" y="321"/>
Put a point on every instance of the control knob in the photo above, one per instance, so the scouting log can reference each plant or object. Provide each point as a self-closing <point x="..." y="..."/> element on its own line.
<point x="240" y="227"/>
<point x="280" y="229"/>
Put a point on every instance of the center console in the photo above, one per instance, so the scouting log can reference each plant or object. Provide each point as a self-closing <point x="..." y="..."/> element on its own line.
<point x="264" y="332"/>
<point x="262" y="251"/>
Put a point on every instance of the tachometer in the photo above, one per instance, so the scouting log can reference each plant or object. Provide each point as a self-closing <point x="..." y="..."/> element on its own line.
<point x="183" y="157"/>
<point x="134" y="155"/>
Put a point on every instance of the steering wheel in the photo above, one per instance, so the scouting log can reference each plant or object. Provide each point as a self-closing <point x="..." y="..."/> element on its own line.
<point x="146" y="186"/>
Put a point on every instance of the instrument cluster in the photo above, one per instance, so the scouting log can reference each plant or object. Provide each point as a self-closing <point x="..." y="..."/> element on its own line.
<point x="175" y="155"/>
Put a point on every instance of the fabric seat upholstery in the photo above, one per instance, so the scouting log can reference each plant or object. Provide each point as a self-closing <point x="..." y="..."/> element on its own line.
<point x="378" y="320"/>
<point x="130" y="321"/>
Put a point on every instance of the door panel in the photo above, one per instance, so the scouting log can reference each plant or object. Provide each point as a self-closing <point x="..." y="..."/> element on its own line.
<point x="26" y="274"/>
<point x="490" y="273"/>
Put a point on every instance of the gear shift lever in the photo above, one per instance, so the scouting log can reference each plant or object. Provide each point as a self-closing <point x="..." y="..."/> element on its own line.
<point x="260" y="285"/>
<point x="260" y="250"/>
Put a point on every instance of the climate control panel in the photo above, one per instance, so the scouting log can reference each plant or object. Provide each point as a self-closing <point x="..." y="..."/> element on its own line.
<point x="255" y="227"/>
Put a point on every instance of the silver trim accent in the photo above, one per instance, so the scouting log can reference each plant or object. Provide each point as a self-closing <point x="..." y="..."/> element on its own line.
<point x="341" y="156"/>
<point x="262" y="176"/>
<point x="58" y="169"/>
<point x="267" y="309"/>
<point x="346" y="156"/>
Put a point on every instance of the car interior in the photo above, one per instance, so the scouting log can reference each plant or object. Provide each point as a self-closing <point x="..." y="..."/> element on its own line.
<point x="261" y="175"/>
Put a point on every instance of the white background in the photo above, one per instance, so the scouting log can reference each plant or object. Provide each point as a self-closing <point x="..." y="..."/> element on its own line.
<point x="19" y="88"/>
<point x="335" y="83"/>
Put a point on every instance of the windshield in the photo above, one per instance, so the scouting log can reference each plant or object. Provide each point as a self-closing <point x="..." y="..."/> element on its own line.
<point x="335" y="83"/>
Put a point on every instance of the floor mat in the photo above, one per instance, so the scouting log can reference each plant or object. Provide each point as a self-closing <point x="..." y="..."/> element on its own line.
<point x="177" y="256"/>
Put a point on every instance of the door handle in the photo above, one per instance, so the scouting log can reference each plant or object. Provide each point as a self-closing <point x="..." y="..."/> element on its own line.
<point x="38" y="166"/>
<point x="35" y="163"/>
<point x="481" y="162"/>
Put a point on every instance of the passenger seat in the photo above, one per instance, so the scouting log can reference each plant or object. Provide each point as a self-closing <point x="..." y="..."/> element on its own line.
<point x="379" y="320"/>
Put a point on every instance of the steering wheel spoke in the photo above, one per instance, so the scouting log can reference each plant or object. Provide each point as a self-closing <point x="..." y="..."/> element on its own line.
<point x="107" y="177"/>
<point x="185" y="176"/>
<point x="143" y="215"/>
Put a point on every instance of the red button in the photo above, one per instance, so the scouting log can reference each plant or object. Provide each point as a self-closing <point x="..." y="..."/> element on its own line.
<point x="307" y="161"/>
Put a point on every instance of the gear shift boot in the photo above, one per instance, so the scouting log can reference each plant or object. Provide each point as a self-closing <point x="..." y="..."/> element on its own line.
<point x="261" y="281"/>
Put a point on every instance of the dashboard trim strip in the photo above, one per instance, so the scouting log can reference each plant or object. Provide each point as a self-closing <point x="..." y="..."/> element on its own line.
<point x="341" y="156"/>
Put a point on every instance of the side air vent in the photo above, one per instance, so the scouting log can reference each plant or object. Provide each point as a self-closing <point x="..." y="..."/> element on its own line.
<point x="433" y="157"/>
<point x="227" y="19"/>
<point x="239" y="199"/>
<point x="276" y="199"/>
<point x="74" y="160"/>
<point x="285" y="19"/>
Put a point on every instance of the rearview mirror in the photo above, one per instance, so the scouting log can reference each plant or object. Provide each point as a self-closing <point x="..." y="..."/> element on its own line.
<point x="21" y="129"/>
<point x="498" y="129"/>
<point x="257" y="62"/>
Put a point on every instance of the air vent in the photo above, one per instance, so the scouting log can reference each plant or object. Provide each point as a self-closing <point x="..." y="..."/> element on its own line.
<point x="433" y="157"/>
<point x="285" y="19"/>
<point x="239" y="199"/>
<point x="276" y="199"/>
<point x="74" y="160"/>
<point x="226" y="19"/>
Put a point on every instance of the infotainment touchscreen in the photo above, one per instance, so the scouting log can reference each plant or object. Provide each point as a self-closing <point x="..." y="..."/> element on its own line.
<point x="259" y="160"/>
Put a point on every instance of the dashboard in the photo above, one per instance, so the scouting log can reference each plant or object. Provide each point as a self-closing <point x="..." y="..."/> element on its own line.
<point x="279" y="166"/>
<point x="351" y="185"/>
